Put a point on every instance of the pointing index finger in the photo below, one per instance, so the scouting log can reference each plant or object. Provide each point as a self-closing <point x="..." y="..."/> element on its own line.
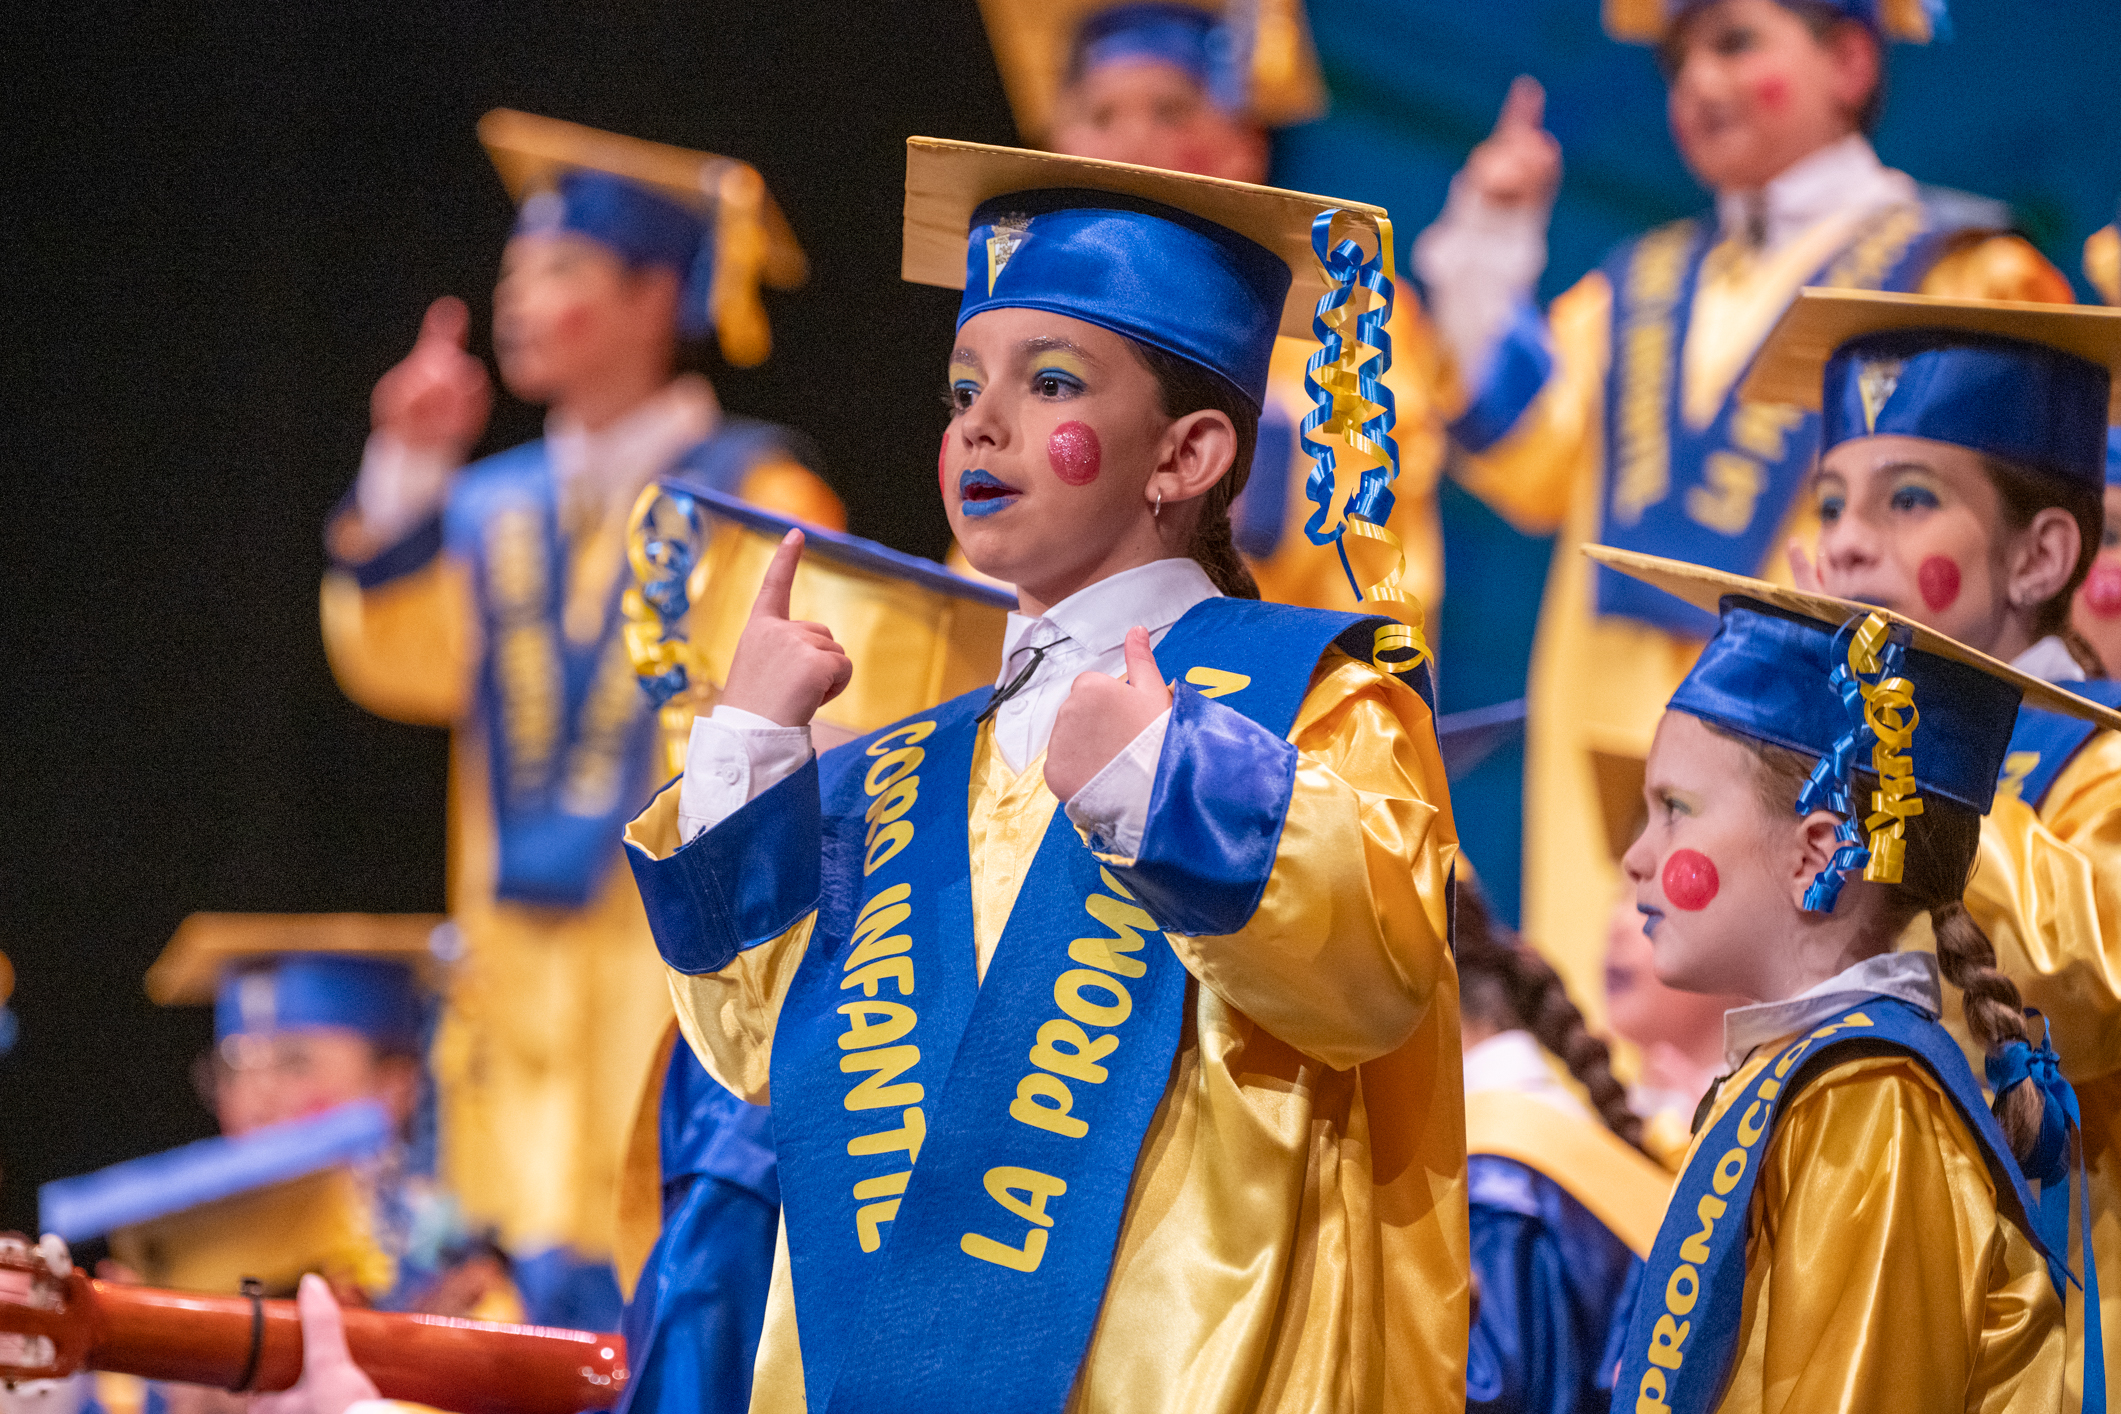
<point x="1526" y="105"/>
<point x="447" y="319"/>
<point x="772" y="602"/>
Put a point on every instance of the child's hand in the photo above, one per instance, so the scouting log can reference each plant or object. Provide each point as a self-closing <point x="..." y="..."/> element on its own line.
<point x="1519" y="164"/>
<point x="438" y="396"/>
<point x="785" y="670"/>
<point x="331" y="1382"/>
<point x="1803" y="573"/>
<point x="1101" y="716"/>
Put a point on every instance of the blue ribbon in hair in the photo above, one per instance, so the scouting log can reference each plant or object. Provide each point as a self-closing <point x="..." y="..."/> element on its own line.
<point x="2061" y="1121"/>
<point x="1347" y="269"/>
<point x="1832" y="785"/>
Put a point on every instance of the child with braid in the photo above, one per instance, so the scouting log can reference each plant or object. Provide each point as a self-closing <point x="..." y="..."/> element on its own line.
<point x="1816" y="785"/>
<point x="1562" y="1202"/>
<point x="1963" y="485"/>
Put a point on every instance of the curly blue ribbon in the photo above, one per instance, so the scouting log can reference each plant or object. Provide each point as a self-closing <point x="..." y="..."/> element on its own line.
<point x="1348" y="269"/>
<point x="662" y="557"/>
<point x="1832" y="784"/>
<point x="2061" y="1120"/>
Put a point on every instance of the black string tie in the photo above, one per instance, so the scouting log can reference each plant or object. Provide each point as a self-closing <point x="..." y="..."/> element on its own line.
<point x="1016" y="684"/>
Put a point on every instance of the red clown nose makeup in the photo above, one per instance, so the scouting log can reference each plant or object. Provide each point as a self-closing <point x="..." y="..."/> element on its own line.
<point x="1074" y="452"/>
<point x="1938" y="579"/>
<point x="1690" y="880"/>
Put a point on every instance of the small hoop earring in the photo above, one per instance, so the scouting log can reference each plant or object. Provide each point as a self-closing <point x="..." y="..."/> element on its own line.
<point x="1157" y="514"/>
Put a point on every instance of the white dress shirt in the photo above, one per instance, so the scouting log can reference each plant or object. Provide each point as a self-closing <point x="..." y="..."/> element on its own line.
<point x="1515" y="1061"/>
<point x="735" y="756"/>
<point x="1910" y="977"/>
<point x="1481" y="262"/>
<point x="2049" y="660"/>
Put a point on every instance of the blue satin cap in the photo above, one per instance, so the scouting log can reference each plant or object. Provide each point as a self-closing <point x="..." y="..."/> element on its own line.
<point x="1151" y="272"/>
<point x="377" y="998"/>
<point x="2027" y="403"/>
<point x="1188" y="38"/>
<point x="638" y="225"/>
<point x="1764" y="675"/>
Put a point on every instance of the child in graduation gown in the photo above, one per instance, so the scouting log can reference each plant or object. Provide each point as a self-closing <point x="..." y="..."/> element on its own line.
<point x="1198" y="87"/>
<point x="1851" y="1230"/>
<point x="1962" y="485"/>
<point x="486" y="598"/>
<point x="1614" y="418"/>
<point x="1562" y="1201"/>
<point x="1109" y="1027"/>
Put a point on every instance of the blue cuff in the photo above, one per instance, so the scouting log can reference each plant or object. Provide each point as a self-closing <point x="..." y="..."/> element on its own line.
<point x="1222" y="791"/>
<point x="747" y="880"/>
<point x="411" y="553"/>
<point x="1516" y="371"/>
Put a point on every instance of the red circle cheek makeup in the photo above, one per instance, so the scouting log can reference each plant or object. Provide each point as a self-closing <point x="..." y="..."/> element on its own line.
<point x="1938" y="579"/>
<point x="1074" y="452"/>
<point x="1690" y="880"/>
<point x="2102" y="590"/>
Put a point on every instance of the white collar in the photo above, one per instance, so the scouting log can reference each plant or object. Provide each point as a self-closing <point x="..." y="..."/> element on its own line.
<point x="1910" y="977"/>
<point x="1515" y="1061"/>
<point x="1844" y="176"/>
<point x="2049" y="660"/>
<point x="1096" y="617"/>
<point x="639" y="445"/>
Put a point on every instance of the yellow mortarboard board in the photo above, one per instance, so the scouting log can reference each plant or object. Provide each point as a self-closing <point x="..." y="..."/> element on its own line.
<point x="1034" y="44"/>
<point x="946" y="181"/>
<point x="205" y="945"/>
<point x="1645" y="21"/>
<point x="1705" y="589"/>
<point x="1792" y="362"/>
<point x="753" y="242"/>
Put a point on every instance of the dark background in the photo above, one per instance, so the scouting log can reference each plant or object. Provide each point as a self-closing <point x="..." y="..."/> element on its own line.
<point x="221" y="223"/>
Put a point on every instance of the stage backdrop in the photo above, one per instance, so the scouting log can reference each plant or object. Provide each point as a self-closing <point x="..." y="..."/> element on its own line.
<point x="2017" y="105"/>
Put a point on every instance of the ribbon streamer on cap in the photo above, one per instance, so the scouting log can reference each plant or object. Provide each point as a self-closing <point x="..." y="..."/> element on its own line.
<point x="1868" y="657"/>
<point x="1350" y="402"/>
<point x="666" y="533"/>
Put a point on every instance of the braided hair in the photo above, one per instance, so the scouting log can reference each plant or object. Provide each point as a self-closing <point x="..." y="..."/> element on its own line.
<point x="1505" y="984"/>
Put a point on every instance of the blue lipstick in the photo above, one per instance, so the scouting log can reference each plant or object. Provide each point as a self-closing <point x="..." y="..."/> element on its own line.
<point x="982" y="493"/>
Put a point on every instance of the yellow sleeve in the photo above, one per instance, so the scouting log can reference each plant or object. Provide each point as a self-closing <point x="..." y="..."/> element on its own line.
<point x="1531" y="477"/>
<point x="404" y="649"/>
<point x="1998" y="267"/>
<point x="728" y="1016"/>
<point x="2047" y="891"/>
<point x="790" y="489"/>
<point x="1343" y="955"/>
<point x="1874" y="1234"/>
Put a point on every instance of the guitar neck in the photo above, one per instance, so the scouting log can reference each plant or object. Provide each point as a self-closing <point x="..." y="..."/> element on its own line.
<point x="468" y="1367"/>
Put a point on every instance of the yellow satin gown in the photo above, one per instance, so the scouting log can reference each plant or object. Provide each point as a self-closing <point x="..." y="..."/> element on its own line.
<point x="553" y="1015"/>
<point x="1879" y="1276"/>
<point x="1295" y="1237"/>
<point x="1599" y="684"/>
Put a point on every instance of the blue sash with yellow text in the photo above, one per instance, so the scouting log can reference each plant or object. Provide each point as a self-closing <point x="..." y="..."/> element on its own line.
<point x="2043" y="743"/>
<point x="955" y="1155"/>
<point x="569" y="737"/>
<point x="1683" y="1339"/>
<point x="1714" y="495"/>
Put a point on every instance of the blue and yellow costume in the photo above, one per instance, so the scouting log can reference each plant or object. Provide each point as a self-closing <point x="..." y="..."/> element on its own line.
<point x="1851" y="1148"/>
<point x="1254" y="59"/>
<point x="499" y="617"/>
<point x="1615" y="419"/>
<point x="1209" y="1153"/>
<point x="2032" y="388"/>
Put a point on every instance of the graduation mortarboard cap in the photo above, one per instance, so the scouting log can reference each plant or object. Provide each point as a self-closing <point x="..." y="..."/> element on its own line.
<point x="1785" y="666"/>
<point x="1253" y="57"/>
<point x="270" y="1204"/>
<point x="268" y="972"/>
<point x="1207" y="269"/>
<point x="708" y="218"/>
<point x="2030" y="383"/>
<point x="1913" y="21"/>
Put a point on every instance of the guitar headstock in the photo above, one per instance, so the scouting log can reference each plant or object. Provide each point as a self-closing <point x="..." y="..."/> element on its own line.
<point x="47" y="1310"/>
